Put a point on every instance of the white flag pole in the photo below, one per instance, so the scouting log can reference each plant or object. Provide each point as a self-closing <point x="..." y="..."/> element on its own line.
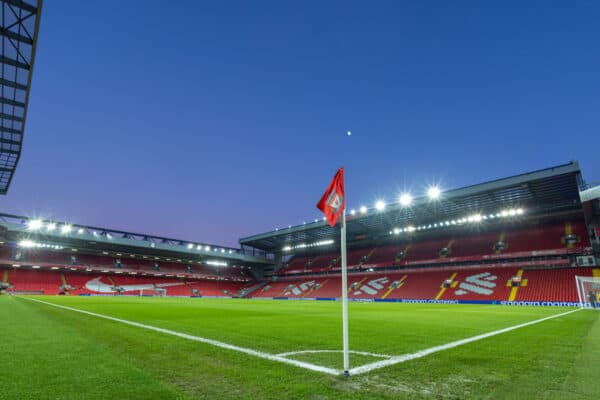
<point x="345" y="297"/>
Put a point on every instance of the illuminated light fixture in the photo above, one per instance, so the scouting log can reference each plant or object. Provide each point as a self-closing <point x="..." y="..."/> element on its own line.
<point x="512" y="212"/>
<point x="222" y="250"/>
<point x="207" y="248"/>
<point x="16" y="265"/>
<point x="119" y="254"/>
<point x="35" y="224"/>
<point x="108" y="235"/>
<point x="434" y="192"/>
<point x="50" y="227"/>
<point x="66" y="228"/>
<point x="316" y="220"/>
<point x="396" y="231"/>
<point x="35" y="266"/>
<point x="26" y="243"/>
<point x="95" y="233"/>
<point x="405" y="199"/>
<point x="353" y="212"/>
<point x="411" y="229"/>
<point x="190" y="246"/>
<point x="216" y="263"/>
<point x="73" y="249"/>
<point x="54" y="268"/>
<point x="80" y="231"/>
<point x="363" y="210"/>
<point x="308" y="245"/>
<point x="380" y="205"/>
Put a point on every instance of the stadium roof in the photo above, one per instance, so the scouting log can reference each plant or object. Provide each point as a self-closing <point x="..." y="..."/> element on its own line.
<point x="548" y="190"/>
<point x="19" y="28"/>
<point x="56" y="235"/>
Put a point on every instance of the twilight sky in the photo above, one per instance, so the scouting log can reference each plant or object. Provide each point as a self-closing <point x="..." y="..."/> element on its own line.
<point x="216" y="120"/>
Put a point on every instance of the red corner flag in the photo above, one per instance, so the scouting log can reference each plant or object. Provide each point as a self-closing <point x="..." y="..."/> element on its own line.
<point x="333" y="201"/>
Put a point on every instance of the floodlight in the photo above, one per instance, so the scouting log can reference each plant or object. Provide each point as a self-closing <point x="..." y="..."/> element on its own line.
<point x="65" y="228"/>
<point x="190" y="245"/>
<point x="380" y="205"/>
<point x="433" y="192"/>
<point x="51" y="226"/>
<point x="80" y="230"/>
<point x="396" y="231"/>
<point x="363" y="209"/>
<point x="405" y="199"/>
<point x="34" y="224"/>
<point x="352" y="212"/>
<point x="520" y="211"/>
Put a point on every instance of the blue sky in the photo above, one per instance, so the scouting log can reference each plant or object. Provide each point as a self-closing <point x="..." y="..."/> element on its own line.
<point x="216" y="120"/>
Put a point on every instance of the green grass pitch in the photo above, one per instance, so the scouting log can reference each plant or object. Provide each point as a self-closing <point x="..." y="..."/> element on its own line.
<point x="53" y="353"/>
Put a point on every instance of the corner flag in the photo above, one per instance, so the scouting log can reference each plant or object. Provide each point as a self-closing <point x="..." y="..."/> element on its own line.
<point x="333" y="204"/>
<point x="333" y="201"/>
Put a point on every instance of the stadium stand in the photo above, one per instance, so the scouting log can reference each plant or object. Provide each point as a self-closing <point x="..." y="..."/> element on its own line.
<point x="511" y="254"/>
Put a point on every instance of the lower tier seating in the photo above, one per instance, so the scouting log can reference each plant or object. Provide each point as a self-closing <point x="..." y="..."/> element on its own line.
<point x="490" y="283"/>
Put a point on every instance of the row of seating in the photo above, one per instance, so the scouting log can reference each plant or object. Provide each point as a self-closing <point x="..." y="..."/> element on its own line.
<point x="55" y="282"/>
<point x="553" y="239"/>
<point x="479" y="283"/>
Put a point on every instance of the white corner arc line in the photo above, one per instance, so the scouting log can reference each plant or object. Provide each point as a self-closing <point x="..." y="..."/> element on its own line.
<point x="255" y="353"/>
<point x="362" y="353"/>
<point x="407" y="357"/>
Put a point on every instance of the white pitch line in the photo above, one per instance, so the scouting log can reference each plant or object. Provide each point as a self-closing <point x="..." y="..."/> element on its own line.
<point x="211" y="342"/>
<point x="363" y="353"/>
<point x="407" y="357"/>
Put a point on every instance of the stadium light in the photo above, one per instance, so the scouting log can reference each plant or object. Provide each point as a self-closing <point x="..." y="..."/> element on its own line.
<point x="26" y="243"/>
<point x="50" y="227"/>
<point x="434" y="192"/>
<point x="80" y="230"/>
<point x="34" y="224"/>
<point x="405" y="199"/>
<point x="353" y="212"/>
<point x="363" y="210"/>
<point x="66" y="228"/>
<point x="216" y="263"/>
<point x="380" y="205"/>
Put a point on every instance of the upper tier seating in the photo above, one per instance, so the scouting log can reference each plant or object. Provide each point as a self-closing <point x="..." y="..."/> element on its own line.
<point x="474" y="246"/>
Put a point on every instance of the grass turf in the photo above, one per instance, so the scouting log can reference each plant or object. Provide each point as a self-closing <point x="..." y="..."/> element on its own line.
<point x="51" y="353"/>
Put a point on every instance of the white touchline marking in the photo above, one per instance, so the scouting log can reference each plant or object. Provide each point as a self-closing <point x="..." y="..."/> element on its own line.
<point x="363" y="353"/>
<point x="212" y="342"/>
<point x="391" y="360"/>
<point x="407" y="357"/>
